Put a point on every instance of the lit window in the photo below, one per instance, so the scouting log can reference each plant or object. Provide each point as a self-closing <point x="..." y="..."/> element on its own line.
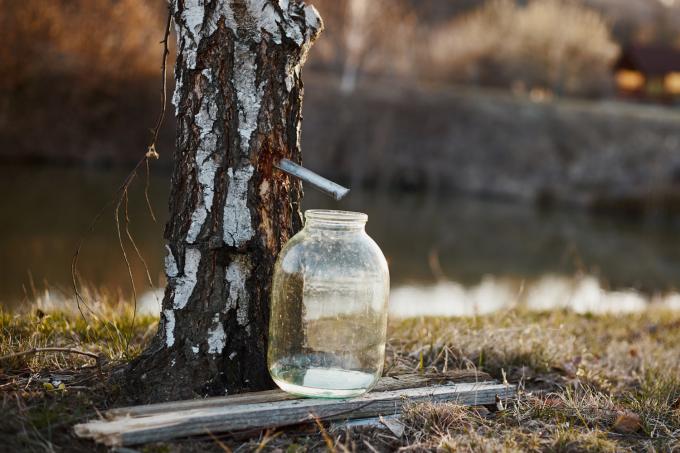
<point x="672" y="83"/>
<point x="629" y="80"/>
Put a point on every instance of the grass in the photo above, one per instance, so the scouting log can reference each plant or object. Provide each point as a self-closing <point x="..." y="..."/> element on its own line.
<point x="606" y="383"/>
<point x="42" y="395"/>
<point x="595" y="383"/>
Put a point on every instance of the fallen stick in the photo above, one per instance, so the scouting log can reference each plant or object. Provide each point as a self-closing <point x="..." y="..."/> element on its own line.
<point x="227" y="417"/>
<point x="39" y="350"/>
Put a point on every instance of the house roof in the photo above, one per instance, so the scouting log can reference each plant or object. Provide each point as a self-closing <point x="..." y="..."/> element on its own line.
<point x="650" y="60"/>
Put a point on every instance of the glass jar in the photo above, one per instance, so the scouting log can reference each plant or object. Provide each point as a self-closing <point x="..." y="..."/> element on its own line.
<point x="329" y="308"/>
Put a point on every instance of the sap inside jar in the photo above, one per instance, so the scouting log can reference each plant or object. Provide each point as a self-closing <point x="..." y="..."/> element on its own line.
<point x="329" y="308"/>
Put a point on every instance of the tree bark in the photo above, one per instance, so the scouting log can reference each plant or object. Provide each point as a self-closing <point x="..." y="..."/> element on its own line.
<point x="238" y="101"/>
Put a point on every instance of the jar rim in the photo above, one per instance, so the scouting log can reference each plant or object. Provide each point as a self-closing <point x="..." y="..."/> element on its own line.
<point x="335" y="216"/>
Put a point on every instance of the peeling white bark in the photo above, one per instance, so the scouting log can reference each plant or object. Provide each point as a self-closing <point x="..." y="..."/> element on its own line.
<point x="237" y="225"/>
<point x="194" y="12"/>
<point x="206" y="162"/>
<point x="177" y="94"/>
<point x="236" y="275"/>
<point x="193" y="17"/>
<point x="292" y="71"/>
<point x="269" y="20"/>
<point x="169" y="316"/>
<point x="313" y="21"/>
<point x="185" y="284"/>
<point x="195" y="27"/>
<point x="248" y="95"/>
<point x="170" y="263"/>
<point x="217" y="338"/>
<point x="205" y="157"/>
<point x="197" y="221"/>
<point x="266" y="17"/>
<point x="313" y="26"/>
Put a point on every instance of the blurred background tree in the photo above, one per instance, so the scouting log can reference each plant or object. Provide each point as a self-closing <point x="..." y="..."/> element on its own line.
<point x="509" y="99"/>
<point x="562" y="45"/>
<point x="99" y="42"/>
<point x="74" y="74"/>
<point x="378" y="37"/>
<point x="506" y="44"/>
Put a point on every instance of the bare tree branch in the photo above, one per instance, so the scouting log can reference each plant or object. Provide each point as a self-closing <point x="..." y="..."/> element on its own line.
<point x="121" y="194"/>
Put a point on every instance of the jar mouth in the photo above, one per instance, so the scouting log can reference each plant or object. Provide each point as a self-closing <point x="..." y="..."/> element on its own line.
<point x="335" y="218"/>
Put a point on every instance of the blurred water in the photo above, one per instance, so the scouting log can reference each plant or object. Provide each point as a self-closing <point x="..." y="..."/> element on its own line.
<point x="447" y="255"/>
<point x="581" y="294"/>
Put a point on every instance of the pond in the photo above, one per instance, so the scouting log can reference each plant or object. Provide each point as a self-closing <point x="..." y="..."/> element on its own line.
<point x="448" y="255"/>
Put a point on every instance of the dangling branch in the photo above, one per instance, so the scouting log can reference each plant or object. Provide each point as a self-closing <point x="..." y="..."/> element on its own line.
<point x="120" y="194"/>
<point x="151" y="151"/>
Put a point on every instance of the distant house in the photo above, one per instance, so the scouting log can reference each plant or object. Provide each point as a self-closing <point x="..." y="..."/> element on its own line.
<point x="649" y="73"/>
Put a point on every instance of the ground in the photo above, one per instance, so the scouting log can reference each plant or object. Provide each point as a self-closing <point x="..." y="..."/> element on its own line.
<point x="605" y="383"/>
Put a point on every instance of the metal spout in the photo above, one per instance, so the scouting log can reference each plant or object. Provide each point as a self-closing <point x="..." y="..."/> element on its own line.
<point x="318" y="182"/>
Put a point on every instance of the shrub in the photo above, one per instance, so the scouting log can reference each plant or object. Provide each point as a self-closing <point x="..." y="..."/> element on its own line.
<point x="560" y="45"/>
<point x="90" y="39"/>
<point x="366" y="36"/>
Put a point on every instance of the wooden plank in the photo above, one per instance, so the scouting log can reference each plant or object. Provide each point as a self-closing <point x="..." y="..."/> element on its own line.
<point x="402" y="381"/>
<point x="390" y="422"/>
<point x="164" y="426"/>
<point x="267" y="396"/>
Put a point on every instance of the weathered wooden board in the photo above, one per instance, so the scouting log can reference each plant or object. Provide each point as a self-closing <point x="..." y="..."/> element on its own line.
<point x="402" y="381"/>
<point x="261" y="410"/>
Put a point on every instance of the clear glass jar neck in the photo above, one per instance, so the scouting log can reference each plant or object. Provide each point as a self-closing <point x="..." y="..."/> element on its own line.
<point x="337" y="221"/>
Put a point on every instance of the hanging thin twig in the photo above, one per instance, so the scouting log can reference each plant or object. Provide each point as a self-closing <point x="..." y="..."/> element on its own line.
<point x="151" y="152"/>
<point x="124" y="197"/>
<point x="121" y="194"/>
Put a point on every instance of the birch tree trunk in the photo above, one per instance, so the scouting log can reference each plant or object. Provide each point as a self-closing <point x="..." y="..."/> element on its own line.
<point x="238" y="102"/>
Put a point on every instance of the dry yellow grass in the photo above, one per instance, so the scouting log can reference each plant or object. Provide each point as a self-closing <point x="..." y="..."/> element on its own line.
<point x="596" y="383"/>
